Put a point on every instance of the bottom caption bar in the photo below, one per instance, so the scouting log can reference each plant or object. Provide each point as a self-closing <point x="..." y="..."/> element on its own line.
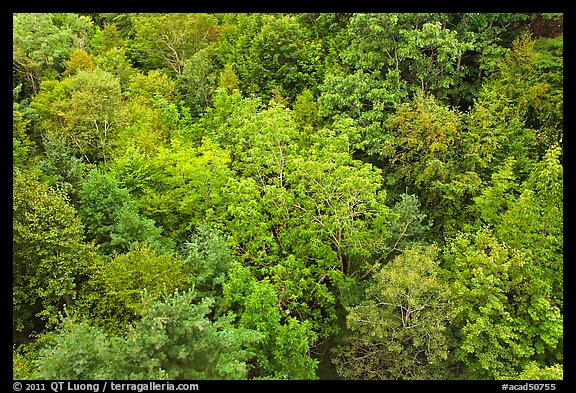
<point x="104" y="386"/>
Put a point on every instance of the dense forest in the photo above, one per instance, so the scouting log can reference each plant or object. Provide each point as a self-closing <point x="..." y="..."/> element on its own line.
<point x="288" y="196"/>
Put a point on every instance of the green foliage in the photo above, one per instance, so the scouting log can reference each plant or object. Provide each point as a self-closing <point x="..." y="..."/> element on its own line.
<point x="118" y="64"/>
<point x="408" y="228"/>
<point x="535" y="219"/>
<point x="145" y="88"/>
<point x="39" y="48"/>
<point x="174" y="339"/>
<point x="516" y="112"/>
<point x="501" y="307"/>
<point x="485" y="274"/>
<point x="398" y="331"/>
<point x="529" y="217"/>
<point x="80" y="60"/>
<point x="79" y="353"/>
<point x="198" y="80"/>
<point x="305" y="217"/>
<point x="50" y="259"/>
<point x="168" y="40"/>
<point x="107" y="38"/>
<point x="359" y="96"/>
<point x="498" y="195"/>
<point x="422" y="150"/>
<point x="113" y="296"/>
<point x="305" y="109"/>
<point x="533" y="371"/>
<point x="112" y="220"/>
<point x="271" y="53"/>
<point x="22" y="145"/>
<point x="423" y="135"/>
<point x="283" y="351"/>
<point x="339" y="203"/>
<point x="64" y="170"/>
<point x="150" y="108"/>
<point x="86" y="108"/>
<point x="288" y="169"/>
<point x="209" y="259"/>
<point x="22" y="362"/>
<point x="445" y="54"/>
<point x="180" y="187"/>
<point x="228" y="79"/>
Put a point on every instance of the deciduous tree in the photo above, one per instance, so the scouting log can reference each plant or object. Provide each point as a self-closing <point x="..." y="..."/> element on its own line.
<point x="500" y="308"/>
<point x="50" y="257"/>
<point x="168" y="40"/>
<point x="399" y="330"/>
<point x="112" y="298"/>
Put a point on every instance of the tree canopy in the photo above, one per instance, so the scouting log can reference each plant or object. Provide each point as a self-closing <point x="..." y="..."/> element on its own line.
<point x="288" y="196"/>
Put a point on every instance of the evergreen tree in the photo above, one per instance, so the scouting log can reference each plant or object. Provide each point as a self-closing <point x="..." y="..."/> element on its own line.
<point x="112" y="220"/>
<point x="174" y="339"/>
